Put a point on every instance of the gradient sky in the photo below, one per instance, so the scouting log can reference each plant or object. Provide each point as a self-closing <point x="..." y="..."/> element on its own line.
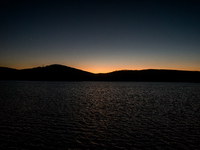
<point x="100" y="35"/>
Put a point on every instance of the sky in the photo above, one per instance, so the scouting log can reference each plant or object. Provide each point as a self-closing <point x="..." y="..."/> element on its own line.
<point x="100" y="35"/>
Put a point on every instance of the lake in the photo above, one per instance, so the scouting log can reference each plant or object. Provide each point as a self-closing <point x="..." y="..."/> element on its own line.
<point x="99" y="115"/>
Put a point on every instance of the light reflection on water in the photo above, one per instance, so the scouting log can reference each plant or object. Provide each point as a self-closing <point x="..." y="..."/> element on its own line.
<point x="103" y="115"/>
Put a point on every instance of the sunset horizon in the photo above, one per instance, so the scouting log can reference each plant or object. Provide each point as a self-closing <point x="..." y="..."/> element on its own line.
<point x="99" y="72"/>
<point x="101" y="36"/>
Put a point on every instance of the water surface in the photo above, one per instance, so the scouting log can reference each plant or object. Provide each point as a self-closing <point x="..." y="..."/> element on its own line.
<point x="99" y="115"/>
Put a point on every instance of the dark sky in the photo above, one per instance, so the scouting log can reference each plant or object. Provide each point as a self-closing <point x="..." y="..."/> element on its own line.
<point x="101" y="35"/>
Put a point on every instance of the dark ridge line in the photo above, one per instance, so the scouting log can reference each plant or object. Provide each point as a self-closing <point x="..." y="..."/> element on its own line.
<point x="58" y="72"/>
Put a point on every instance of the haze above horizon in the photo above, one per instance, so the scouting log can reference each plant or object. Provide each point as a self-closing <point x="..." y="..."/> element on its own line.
<point x="101" y="36"/>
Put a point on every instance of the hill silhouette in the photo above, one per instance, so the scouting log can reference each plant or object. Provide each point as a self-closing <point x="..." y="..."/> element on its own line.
<point x="63" y="73"/>
<point x="48" y="73"/>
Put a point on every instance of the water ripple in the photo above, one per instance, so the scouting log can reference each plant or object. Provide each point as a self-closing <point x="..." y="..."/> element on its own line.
<point x="99" y="115"/>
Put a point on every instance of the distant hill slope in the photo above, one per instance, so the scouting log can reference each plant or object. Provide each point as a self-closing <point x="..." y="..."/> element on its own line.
<point x="64" y="73"/>
<point x="54" y="73"/>
<point x="8" y="73"/>
<point x="153" y="75"/>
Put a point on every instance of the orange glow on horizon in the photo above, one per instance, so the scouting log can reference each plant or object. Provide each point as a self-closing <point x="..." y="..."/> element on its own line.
<point x="106" y="69"/>
<point x="111" y="69"/>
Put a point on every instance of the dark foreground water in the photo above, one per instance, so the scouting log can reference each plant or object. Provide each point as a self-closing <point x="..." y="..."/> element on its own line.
<point x="99" y="115"/>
